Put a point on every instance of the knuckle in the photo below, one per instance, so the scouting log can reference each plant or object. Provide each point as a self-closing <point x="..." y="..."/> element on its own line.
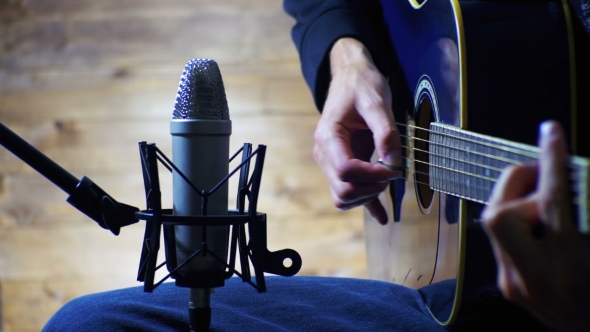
<point x="317" y="154"/>
<point x="512" y="170"/>
<point x="388" y="132"/>
<point x="489" y="213"/>
<point x="511" y="291"/>
<point x="516" y="171"/>
<point x="339" y="204"/>
<point x="346" y="194"/>
<point x="343" y="172"/>
<point x="494" y="218"/>
<point x="549" y="203"/>
<point x="372" y="102"/>
<point x="319" y="135"/>
<point x="551" y="207"/>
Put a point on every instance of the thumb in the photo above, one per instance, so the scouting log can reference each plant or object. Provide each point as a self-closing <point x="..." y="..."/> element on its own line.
<point x="385" y="136"/>
<point x="375" y="109"/>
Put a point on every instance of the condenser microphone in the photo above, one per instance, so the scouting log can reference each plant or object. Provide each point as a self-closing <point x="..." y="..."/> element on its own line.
<point x="200" y="129"/>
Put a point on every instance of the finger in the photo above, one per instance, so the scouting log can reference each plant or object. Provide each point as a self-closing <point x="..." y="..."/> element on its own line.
<point x="509" y="282"/>
<point x="332" y="137"/>
<point x="356" y="170"/>
<point x="387" y="143"/>
<point x="375" y="108"/>
<point x="347" y="195"/>
<point x="510" y="224"/>
<point x="334" y="143"/>
<point x="377" y="211"/>
<point x="554" y="199"/>
<point x="353" y="204"/>
<point x="514" y="182"/>
<point x="509" y="228"/>
<point x="505" y="276"/>
<point x="352" y="193"/>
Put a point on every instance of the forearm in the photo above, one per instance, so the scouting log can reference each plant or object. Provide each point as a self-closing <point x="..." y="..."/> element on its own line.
<point x="319" y="24"/>
<point x="349" y="53"/>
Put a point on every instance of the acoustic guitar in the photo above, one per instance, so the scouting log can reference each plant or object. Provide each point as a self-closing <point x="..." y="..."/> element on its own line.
<point x="476" y="79"/>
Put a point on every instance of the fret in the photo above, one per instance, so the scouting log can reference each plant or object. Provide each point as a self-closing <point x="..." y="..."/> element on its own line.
<point x="582" y="185"/>
<point x="450" y="163"/>
<point x="482" y="185"/>
<point x="445" y="152"/>
<point x="467" y="164"/>
<point x="458" y="176"/>
<point x="436" y="159"/>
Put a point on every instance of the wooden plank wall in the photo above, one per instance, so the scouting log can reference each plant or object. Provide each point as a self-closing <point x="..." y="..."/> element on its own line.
<point x="84" y="81"/>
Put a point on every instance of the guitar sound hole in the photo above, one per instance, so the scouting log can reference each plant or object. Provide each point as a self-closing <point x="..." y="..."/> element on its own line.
<point x="421" y="167"/>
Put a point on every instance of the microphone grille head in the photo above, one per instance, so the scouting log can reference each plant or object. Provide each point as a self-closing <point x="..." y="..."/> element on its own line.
<point x="201" y="94"/>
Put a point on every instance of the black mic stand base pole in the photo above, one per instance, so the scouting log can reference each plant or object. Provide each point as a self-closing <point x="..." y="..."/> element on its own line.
<point x="199" y="309"/>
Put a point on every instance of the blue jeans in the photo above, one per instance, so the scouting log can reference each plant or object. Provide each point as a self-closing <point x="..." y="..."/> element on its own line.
<point x="290" y="304"/>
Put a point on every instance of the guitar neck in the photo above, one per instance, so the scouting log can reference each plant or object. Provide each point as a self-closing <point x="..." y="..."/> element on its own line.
<point x="467" y="165"/>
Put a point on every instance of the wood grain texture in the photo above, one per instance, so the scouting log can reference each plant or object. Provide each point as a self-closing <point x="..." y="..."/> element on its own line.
<point x="84" y="81"/>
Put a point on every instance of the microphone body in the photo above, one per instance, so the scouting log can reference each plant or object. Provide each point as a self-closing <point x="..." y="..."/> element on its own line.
<point x="200" y="150"/>
<point x="200" y="129"/>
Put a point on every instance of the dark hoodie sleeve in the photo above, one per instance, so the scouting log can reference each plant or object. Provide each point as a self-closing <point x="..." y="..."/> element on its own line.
<point x="320" y="23"/>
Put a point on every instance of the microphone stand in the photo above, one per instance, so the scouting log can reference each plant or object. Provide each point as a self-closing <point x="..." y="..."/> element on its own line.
<point x="110" y="214"/>
<point x="85" y="195"/>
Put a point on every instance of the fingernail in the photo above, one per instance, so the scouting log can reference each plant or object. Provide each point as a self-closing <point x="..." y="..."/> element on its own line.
<point x="391" y="159"/>
<point x="548" y="129"/>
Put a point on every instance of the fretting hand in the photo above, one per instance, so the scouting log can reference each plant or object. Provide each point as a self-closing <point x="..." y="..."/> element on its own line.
<point x="546" y="271"/>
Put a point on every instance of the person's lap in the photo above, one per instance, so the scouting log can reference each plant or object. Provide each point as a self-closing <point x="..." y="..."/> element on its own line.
<point x="290" y="304"/>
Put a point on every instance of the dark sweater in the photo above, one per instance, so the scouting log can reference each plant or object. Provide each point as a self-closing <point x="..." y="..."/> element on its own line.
<point x="319" y="23"/>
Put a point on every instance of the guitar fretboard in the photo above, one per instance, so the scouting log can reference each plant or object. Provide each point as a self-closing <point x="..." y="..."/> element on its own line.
<point x="467" y="165"/>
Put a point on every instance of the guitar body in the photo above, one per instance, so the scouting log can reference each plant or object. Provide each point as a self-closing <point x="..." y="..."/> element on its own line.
<point x="495" y="68"/>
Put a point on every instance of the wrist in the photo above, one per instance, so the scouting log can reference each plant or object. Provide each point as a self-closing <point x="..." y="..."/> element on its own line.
<point x="347" y="53"/>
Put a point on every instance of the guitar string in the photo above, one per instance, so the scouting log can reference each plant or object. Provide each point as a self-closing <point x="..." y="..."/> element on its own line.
<point x="489" y="144"/>
<point x="576" y="198"/>
<point x="573" y="163"/>
<point x="491" y="168"/>
<point x="534" y="155"/>
<point x="460" y="171"/>
<point x="573" y="189"/>
<point x="437" y="177"/>
<point x="494" y="180"/>
<point x="495" y="158"/>
<point x="500" y="159"/>
<point x="456" y="159"/>
<point x="455" y="170"/>
<point x="516" y="151"/>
